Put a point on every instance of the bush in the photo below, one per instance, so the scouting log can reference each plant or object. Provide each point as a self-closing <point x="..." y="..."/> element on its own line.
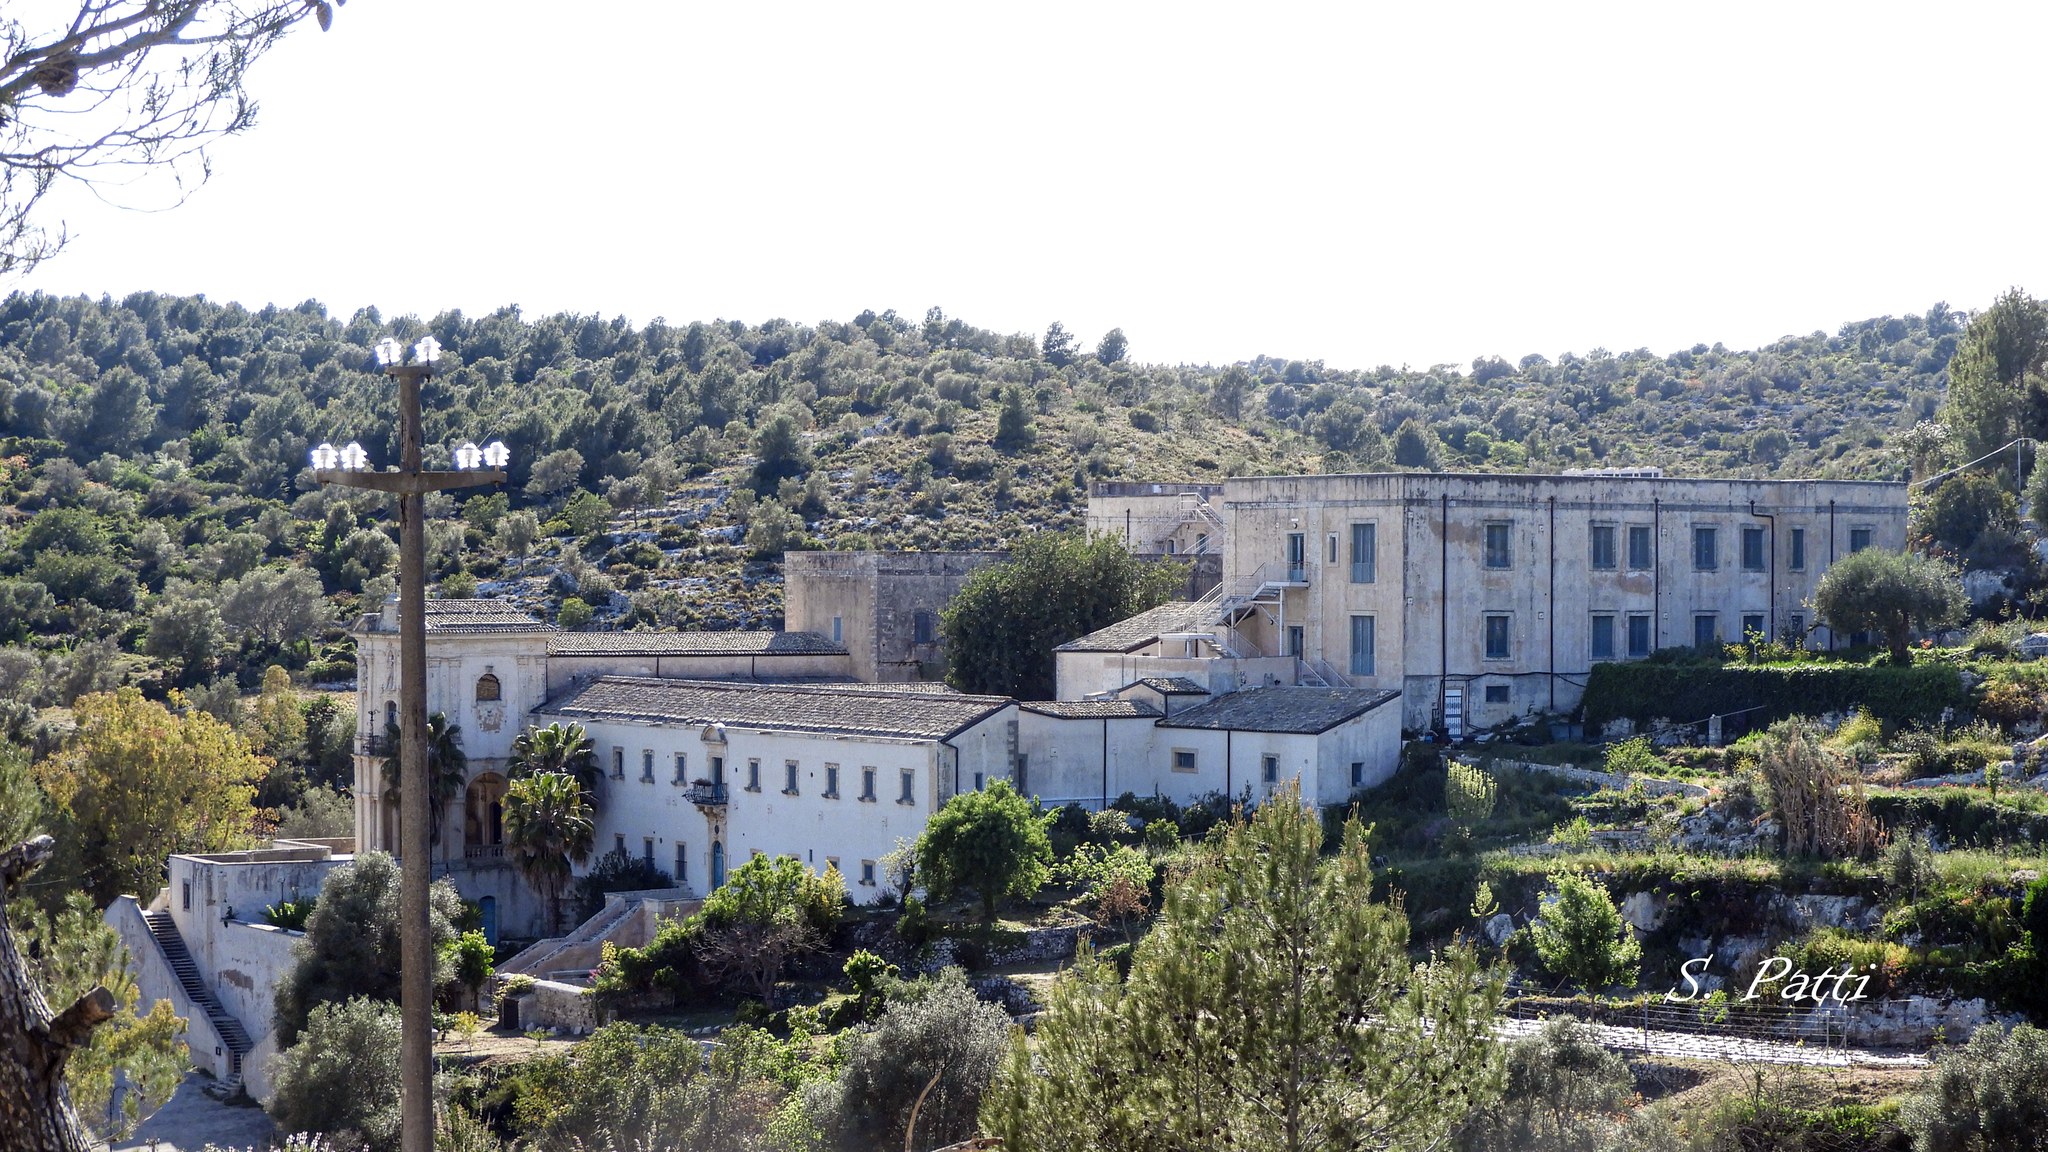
<point x="1469" y="793"/>
<point x="1581" y="937"/>
<point x="1983" y="1095"/>
<point x="1648" y="690"/>
<point x="934" y="1027"/>
<point x="342" y="1076"/>
<point x="1816" y="796"/>
<point x="1561" y="1088"/>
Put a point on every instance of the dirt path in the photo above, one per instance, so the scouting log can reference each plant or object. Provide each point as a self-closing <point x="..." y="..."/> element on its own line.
<point x="191" y="1120"/>
<point x="1696" y="1047"/>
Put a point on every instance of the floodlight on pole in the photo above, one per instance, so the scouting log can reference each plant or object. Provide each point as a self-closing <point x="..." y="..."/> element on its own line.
<point x="326" y="457"/>
<point x="427" y="350"/>
<point x="469" y="456"/>
<point x="353" y="458"/>
<point x="387" y="352"/>
<point x="496" y="455"/>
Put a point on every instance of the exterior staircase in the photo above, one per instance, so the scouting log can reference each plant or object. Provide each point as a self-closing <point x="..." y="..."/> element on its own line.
<point x="165" y="930"/>
<point x="1196" y="511"/>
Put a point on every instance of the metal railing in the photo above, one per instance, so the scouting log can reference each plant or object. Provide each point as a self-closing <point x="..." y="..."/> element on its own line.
<point x="706" y="794"/>
<point x="483" y="851"/>
<point x="374" y="746"/>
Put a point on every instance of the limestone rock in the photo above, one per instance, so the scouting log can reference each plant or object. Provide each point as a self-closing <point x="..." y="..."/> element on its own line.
<point x="1644" y="911"/>
<point x="1499" y="928"/>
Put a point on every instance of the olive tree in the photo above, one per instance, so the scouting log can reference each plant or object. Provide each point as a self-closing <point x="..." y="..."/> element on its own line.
<point x="1889" y="593"/>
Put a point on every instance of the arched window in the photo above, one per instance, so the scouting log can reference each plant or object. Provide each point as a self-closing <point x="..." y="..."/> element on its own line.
<point x="487" y="687"/>
<point x="391" y="713"/>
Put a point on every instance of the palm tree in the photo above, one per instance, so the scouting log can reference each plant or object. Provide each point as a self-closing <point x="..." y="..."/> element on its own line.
<point x="548" y="826"/>
<point x="563" y="748"/>
<point x="447" y="767"/>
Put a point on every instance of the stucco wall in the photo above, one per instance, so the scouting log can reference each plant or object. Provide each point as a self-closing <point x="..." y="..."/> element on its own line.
<point x="563" y="671"/>
<point x="809" y="825"/>
<point x="871" y="601"/>
<point x="1067" y="757"/>
<point x="155" y="981"/>
<point x="1433" y="590"/>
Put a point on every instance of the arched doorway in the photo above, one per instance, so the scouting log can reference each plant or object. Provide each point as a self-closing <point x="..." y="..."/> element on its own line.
<point x="717" y="864"/>
<point x="483" y="817"/>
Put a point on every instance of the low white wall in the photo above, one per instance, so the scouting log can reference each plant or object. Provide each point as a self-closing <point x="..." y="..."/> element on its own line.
<point x="155" y="980"/>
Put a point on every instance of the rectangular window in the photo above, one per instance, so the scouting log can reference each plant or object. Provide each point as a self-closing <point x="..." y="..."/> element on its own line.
<point x="924" y="628"/>
<point x="647" y="766"/>
<point x="1297" y="557"/>
<point x="1603" y="637"/>
<point x="718" y="769"/>
<point x="682" y="767"/>
<point x="1497" y="693"/>
<point x="647" y="851"/>
<point x="1797" y="559"/>
<point x="832" y="864"/>
<point x="1183" y="760"/>
<point x="977" y="782"/>
<point x="1706" y="548"/>
<point x="909" y="787"/>
<point x="1358" y="773"/>
<point x="1269" y="769"/>
<point x="753" y="775"/>
<point x="1797" y="628"/>
<point x="1023" y="764"/>
<point x="1362" y="640"/>
<point x="619" y="843"/>
<point x="682" y="863"/>
<point x="185" y="895"/>
<point x="1365" y="553"/>
<point x="832" y="781"/>
<point x="867" y="873"/>
<point x="1753" y="625"/>
<point x="1294" y="640"/>
<point x="1859" y="539"/>
<point x="1752" y="549"/>
<point x="1499" y="547"/>
<point x="1638" y="636"/>
<point x="1642" y="552"/>
<point x="838" y="630"/>
<point x="1602" y="536"/>
<point x="1497" y="637"/>
<point x="1706" y="630"/>
<point x="867" y="784"/>
<point x="789" y="777"/>
<point x="618" y="763"/>
<point x="1333" y="547"/>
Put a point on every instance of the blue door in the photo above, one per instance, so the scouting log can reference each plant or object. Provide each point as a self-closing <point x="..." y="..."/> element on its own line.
<point x="489" y="907"/>
<point x="717" y="864"/>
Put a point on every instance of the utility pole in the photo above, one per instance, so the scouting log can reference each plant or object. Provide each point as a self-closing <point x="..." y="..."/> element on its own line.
<point x="411" y="483"/>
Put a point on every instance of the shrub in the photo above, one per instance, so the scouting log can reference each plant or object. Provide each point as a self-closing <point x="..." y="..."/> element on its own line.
<point x="1648" y="690"/>
<point x="615" y="871"/>
<point x="1561" y="1088"/>
<point x="1983" y="1095"/>
<point x="1581" y="937"/>
<point x="935" y="1028"/>
<point x="342" y="1076"/>
<point x="1469" y="793"/>
<point x="289" y="915"/>
<point x="1816" y="797"/>
<point x="1635" y="756"/>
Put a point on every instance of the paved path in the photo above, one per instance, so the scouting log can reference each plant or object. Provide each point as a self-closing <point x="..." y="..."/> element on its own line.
<point x="1707" y="1047"/>
<point x="191" y="1120"/>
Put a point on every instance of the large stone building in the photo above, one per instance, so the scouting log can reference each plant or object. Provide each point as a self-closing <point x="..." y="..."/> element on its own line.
<point x="1484" y="597"/>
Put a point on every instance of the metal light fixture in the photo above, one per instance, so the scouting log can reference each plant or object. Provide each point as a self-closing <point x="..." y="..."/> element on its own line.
<point x="353" y="458"/>
<point x="469" y="456"/>
<point x="326" y="457"/>
<point x="427" y="350"/>
<point x="496" y="455"/>
<point x="387" y="352"/>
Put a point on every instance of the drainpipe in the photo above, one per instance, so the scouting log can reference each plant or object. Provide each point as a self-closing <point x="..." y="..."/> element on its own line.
<point x="1227" y="793"/>
<point x="1553" y="604"/>
<point x="1443" y="598"/>
<point x="1771" y="621"/>
<point x="1831" y="561"/>
<point x="1105" y="762"/>
<point x="1656" y="573"/>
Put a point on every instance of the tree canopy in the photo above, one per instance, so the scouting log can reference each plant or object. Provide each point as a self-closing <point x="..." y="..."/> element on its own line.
<point x="991" y="842"/>
<point x="1889" y="593"/>
<point x="1001" y="629"/>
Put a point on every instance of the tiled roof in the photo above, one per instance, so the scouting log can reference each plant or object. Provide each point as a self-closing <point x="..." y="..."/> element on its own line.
<point x="1284" y="709"/>
<point x="455" y="616"/>
<point x="780" y="707"/>
<point x="1090" y="709"/>
<point x="1138" y="631"/>
<point x="692" y="644"/>
<point x="1168" y="685"/>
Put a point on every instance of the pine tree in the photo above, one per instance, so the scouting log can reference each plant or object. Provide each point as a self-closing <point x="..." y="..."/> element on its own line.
<point x="1274" y="1007"/>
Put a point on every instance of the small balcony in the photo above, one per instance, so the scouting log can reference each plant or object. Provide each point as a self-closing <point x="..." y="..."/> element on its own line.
<point x="483" y="852"/>
<point x="373" y="746"/>
<point x="705" y="794"/>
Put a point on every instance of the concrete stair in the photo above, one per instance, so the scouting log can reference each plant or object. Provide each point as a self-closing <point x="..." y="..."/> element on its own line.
<point x="232" y="1034"/>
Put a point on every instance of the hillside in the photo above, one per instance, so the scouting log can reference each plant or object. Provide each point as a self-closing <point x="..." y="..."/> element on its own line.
<point x="155" y="490"/>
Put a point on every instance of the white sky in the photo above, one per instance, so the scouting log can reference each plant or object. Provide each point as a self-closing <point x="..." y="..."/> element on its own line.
<point x="1357" y="183"/>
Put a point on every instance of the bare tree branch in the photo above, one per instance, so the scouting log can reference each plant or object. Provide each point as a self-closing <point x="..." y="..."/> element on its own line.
<point x="130" y="85"/>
